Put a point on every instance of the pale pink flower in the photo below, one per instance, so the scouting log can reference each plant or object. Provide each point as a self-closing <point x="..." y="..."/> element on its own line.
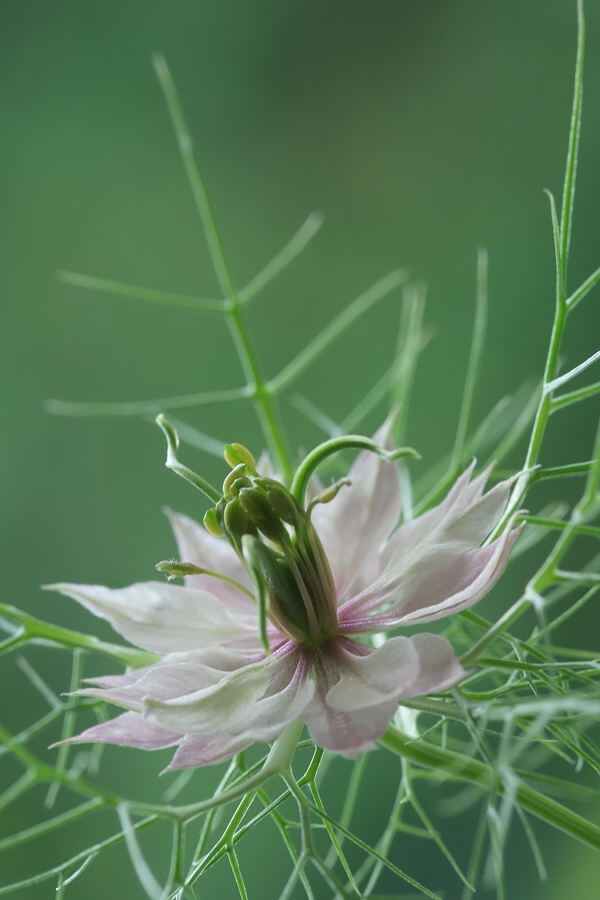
<point x="216" y="690"/>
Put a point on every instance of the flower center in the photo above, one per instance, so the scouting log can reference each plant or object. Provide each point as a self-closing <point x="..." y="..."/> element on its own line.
<point x="274" y="537"/>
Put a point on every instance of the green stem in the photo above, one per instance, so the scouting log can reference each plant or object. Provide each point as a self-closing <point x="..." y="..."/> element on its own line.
<point x="313" y="460"/>
<point x="36" y="629"/>
<point x="263" y="399"/>
<point x="478" y="773"/>
<point x="474" y="365"/>
<point x="562" y="233"/>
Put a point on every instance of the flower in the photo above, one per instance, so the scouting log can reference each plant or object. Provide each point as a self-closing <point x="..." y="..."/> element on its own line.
<point x="230" y="676"/>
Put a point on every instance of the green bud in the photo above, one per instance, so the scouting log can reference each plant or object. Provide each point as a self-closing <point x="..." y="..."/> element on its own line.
<point x="211" y="522"/>
<point x="236" y="521"/>
<point x="260" y="513"/>
<point x="236" y="453"/>
<point x="281" y="502"/>
<point x="236" y="473"/>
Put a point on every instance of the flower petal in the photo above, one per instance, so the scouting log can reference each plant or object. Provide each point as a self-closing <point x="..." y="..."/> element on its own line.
<point x="175" y="677"/>
<point x="196" y="545"/>
<point x="462" y="521"/>
<point x="430" y="590"/>
<point x="439" y="670"/>
<point x="207" y="750"/>
<point x="357" y="690"/>
<point x="128" y="730"/>
<point x="265" y="720"/>
<point x="354" y="526"/>
<point x="382" y="674"/>
<point x="214" y="707"/>
<point x="165" y="618"/>
<point x="348" y="733"/>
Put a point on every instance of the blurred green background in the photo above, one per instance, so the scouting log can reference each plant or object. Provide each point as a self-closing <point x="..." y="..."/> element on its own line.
<point x="422" y="129"/>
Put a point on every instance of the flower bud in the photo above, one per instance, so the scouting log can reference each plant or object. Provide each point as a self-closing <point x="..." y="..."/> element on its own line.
<point x="230" y="485"/>
<point x="211" y="522"/>
<point x="236" y="453"/>
<point x="260" y="513"/>
<point x="329" y="493"/>
<point x="236" y="521"/>
<point x="281" y="502"/>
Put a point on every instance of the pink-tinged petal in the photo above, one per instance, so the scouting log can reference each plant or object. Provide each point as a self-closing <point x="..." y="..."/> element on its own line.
<point x="164" y="618"/>
<point x="356" y="692"/>
<point x="258" y="700"/>
<point x="354" y="526"/>
<point x="285" y="701"/>
<point x="431" y="591"/>
<point x="219" y="706"/>
<point x="196" y="545"/>
<point x="439" y="670"/>
<point x="347" y="733"/>
<point x="206" y="750"/>
<point x="128" y="730"/>
<point x="176" y="677"/>
<point x="462" y="521"/>
<point x="368" y="680"/>
<point x="225" y="659"/>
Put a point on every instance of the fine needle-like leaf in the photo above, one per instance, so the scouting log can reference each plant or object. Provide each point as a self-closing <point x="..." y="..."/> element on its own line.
<point x="575" y="396"/>
<point x="475" y="357"/>
<point x="411" y="341"/>
<point x="141" y="868"/>
<point x="572" y="373"/>
<point x="346" y="318"/>
<point x="145" y="407"/>
<point x="317" y="417"/>
<point x="164" y="298"/>
<point x="583" y="290"/>
<point x="285" y="256"/>
<point x="573" y="151"/>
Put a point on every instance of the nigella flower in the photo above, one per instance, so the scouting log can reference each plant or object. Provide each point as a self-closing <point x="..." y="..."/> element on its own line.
<point x="277" y="637"/>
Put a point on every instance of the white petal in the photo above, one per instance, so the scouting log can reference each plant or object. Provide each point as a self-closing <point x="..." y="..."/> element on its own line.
<point x="356" y="693"/>
<point x="164" y="618"/>
<point x="255" y="699"/>
<point x="128" y="730"/>
<point x="462" y="521"/>
<point x="440" y="669"/>
<point x="347" y="733"/>
<point x="174" y="678"/>
<point x="383" y="674"/>
<point x="206" y="749"/>
<point x="225" y="659"/>
<point x="196" y="545"/>
<point x="431" y="589"/>
<point x="215" y="707"/>
<point x="263" y="723"/>
<point x="354" y="526"/>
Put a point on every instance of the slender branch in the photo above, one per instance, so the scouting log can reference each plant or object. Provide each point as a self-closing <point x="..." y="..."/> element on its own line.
<point x="264" y="402"/>
<point x="476" y="772"/>
<point x="474" y="365"/>
<point x="36" y="629"/>
<point x="349" y="315"/>
<point x="146" y="407"/>
<point x="165" y="298"/>
<point x="283" y="258"/>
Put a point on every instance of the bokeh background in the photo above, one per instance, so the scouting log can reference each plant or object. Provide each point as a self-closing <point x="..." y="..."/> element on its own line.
<point x="422" y="129"/>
